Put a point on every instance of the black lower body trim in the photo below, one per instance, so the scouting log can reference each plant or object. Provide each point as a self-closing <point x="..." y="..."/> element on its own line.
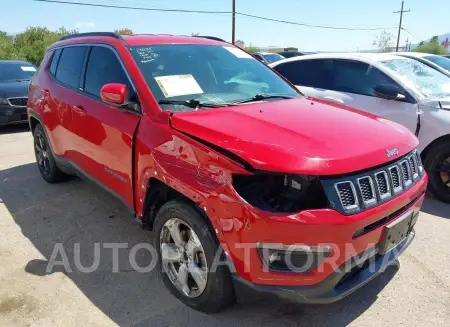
<point x="347" y="279"/>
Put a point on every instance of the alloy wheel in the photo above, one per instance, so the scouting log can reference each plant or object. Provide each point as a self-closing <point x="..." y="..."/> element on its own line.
<point x="183" y="258"/>
<point x="41" y="150"/>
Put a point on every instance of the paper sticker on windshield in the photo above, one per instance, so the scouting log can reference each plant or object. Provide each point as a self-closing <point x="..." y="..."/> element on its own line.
<point x="28" y="68"/>
<point x="238" y="52"/>
<point x="176" y="85"/>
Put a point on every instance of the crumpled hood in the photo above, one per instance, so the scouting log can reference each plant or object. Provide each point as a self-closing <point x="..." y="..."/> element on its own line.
<point x="304" y="135"/>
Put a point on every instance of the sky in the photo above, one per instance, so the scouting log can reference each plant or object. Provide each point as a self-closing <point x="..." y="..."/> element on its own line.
<point x="427" y="18"/>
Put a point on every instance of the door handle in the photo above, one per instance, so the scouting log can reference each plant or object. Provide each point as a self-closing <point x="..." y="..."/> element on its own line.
<point x="45" y="92"/>
<point x="79" y="110"/>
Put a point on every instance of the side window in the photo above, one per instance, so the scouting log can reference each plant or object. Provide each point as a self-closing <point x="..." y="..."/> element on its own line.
<point x="55" y="59"/>
<point x="357" y="77"/>
<point x="313" y="73"/>
<point x="70" y="66"/>
<point x="103" y="67"/>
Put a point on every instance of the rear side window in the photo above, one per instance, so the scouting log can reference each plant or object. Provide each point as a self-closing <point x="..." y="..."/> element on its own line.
<point x="357" y="77"/>
<point x="70" y="66"/>
<point x="313" y="73"/>
<point x="103" y="67"/>
<point x="54" y="63"/>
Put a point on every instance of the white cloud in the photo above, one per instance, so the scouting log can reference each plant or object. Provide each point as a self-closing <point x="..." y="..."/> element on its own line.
<point x="85" y="25"/>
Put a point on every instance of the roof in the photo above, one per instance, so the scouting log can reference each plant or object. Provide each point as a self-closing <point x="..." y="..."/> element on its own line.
<point x="143" y="39"/>
<point x="350" y="55"/>
<point x="139" y="39"/>
<point x="20" y="62"/>
<point x="414" y="54"/>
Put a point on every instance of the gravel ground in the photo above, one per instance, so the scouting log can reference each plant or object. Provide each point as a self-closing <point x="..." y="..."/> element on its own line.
<point x="34" y="216"/>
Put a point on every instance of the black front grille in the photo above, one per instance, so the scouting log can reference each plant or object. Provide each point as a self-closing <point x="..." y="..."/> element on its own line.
<point x="413" y="164"/>
<point x="360" y="191"/>
<point x="18" y="102"/>
<point x="382" y="183"/>
<point x="405" y="171"/>
<point x="346" y="194"/>
<point x="395" y="177"/>
<point x="366" y="189"/>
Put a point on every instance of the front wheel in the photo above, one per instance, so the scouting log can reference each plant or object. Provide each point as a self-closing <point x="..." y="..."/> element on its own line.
<point x="437" y="165"/>
<point x="186" y="251"/>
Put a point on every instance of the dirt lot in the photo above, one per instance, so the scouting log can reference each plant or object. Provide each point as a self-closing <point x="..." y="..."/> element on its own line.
<point x="34" y="216"/>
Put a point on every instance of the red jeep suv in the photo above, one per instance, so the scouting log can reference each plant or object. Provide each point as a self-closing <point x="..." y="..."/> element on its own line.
<point x="250" y="188"/>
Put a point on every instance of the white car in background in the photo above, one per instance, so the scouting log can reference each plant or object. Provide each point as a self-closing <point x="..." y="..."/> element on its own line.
<point x="437" y="62"/>
<point x="400" y="89"/>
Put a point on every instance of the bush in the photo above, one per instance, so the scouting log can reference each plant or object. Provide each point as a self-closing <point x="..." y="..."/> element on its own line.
<point x="431" y="47"/>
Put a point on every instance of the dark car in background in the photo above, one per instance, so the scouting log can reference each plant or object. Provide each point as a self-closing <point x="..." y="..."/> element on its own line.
<point x="14" y="80"/>
<point x="291" y="54"/>
<point x="268" y="57"/>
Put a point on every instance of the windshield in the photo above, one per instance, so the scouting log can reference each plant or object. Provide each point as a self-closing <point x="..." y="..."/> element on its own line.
<point x="430" y="82"/>
<point x="13" y="72"/>
<point x="440" y="61"/>
<point x="205" y="73"/>
<point x="270" y="58"/>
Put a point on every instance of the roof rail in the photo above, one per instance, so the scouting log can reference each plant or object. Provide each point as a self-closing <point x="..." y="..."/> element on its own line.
<point x="211" y="38"/>
<point x="110" y="34"/>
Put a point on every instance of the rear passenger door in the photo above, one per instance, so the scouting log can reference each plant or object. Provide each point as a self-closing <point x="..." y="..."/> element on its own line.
<point x="104" y="132"/>
<point x="60" y="96"/>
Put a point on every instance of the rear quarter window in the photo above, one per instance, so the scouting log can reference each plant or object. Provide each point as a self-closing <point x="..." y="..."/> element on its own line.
<point x="54" y="62"/>
<point x="70" y="66"/>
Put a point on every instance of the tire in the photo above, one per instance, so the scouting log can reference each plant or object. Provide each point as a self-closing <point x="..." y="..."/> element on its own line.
<point x="437" y="184"/>
<point x="44" y="157"/>
<point x="218" y="292"/>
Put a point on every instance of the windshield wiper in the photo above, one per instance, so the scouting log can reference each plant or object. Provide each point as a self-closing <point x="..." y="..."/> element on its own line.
<point x="194" y="103"/>
<point x="259" y="97"/>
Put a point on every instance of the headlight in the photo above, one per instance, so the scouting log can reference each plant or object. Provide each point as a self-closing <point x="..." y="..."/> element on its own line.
<point x="4" y="101"/>
<point x="281" y="192"/>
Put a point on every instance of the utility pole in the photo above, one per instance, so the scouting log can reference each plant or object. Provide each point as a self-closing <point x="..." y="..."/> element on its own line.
<point x="400" y="24"/>
<point x="407" y="44"/>
<point x="233" y="26"/>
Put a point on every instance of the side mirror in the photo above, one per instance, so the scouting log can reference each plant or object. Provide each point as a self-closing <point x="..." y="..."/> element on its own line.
<point x="389" y="92"/>
<point x="114" y="94"/>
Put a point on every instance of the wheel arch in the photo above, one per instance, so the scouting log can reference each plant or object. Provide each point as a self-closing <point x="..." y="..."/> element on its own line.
<point x="33" y="121"/>
<point x="439" y="140"/>
<point x="158" y="193"/>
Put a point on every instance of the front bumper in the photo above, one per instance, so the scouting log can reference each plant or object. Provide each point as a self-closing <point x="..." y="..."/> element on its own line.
<point x="350" y="276"/>
<point x="12" y="115"/>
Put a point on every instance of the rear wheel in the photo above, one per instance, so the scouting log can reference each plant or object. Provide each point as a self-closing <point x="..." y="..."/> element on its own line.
<point x="437" y="165"/>
<point x="186" y="251"/>
<point x="44" y="157"/>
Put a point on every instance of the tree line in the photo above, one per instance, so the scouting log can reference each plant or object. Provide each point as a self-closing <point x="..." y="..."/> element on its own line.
<point x="31" y="44"/>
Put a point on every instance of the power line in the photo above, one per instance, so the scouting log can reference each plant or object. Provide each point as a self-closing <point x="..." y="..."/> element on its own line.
<point x="133" y="8"/>
<point x="414" y="36"/>
<point x="215" y="12"/>
<point x="315" y="26"/>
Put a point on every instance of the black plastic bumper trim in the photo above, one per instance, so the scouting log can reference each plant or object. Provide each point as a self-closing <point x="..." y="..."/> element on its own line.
<point x="330" y="289"/>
